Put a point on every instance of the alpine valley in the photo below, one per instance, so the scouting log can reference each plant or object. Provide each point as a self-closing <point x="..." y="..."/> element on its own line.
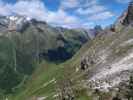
<point x="42" y="62"/>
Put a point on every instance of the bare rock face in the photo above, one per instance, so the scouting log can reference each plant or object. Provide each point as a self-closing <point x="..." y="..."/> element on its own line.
<point x="66" y="91"/>
<point x="122" y="18"/>
<point x="108" y="63"/>
<point x="127" y="17"/>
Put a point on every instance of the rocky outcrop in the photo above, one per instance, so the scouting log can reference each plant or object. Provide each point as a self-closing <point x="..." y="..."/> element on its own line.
<point x="127" y="17"/>
<point x="108" y="63"/>
<point x="66" y="91"/>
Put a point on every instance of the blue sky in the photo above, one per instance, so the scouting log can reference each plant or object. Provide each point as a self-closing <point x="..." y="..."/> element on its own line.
<point x="67" y="13"/>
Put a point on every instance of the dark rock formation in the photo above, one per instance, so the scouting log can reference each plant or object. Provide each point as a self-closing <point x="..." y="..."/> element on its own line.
<point x="129" y="16"/>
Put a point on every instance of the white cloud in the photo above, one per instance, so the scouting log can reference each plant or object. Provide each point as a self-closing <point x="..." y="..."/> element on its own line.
<point x="67" y="4"/>
<point x="94" y="11"/>
<point x="88" y="25"/>
<point x="4" y="9"/>
<point x="62" y="18"/>
<point x="89" y="3"/>
<point x="123" y="1"/>
<point x="36" y="9"/>
<point x="91" y="10"/>
<point x="101" y="16"/>
<point x="33" y="9"/>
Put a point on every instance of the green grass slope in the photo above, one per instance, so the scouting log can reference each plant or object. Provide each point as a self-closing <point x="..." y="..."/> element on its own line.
<point x="49" y="80"/>
<point x="21" y="52"/>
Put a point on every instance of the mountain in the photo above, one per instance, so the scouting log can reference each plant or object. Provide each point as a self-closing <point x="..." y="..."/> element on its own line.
<point x="126" y="18"/>
<point x="25" y="43"/>
<point x="97" y="30"/>
<point x="41" y="62"/>
<point x="39" y="35"/>
<point x="128" y="15"/>
<point x="101" y="70"/>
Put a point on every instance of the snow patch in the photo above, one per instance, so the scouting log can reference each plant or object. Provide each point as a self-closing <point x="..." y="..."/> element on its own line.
<point x="13" y="18"/>
<point x="28" y="18"/>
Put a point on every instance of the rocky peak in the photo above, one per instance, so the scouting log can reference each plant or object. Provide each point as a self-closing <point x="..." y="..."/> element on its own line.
<point x="127" y="16"/>
<point x="16" y="23"/>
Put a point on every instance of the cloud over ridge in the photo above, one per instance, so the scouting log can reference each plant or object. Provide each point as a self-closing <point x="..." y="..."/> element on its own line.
<point x="84" y="11"/>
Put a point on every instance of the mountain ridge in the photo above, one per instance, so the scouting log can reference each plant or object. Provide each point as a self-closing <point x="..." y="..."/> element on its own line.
<point x="32" y="42"/>
<point x="101" y="70"/>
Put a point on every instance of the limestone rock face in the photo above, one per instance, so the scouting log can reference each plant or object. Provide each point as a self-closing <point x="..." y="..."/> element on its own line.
<point x="127" y="17"/>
